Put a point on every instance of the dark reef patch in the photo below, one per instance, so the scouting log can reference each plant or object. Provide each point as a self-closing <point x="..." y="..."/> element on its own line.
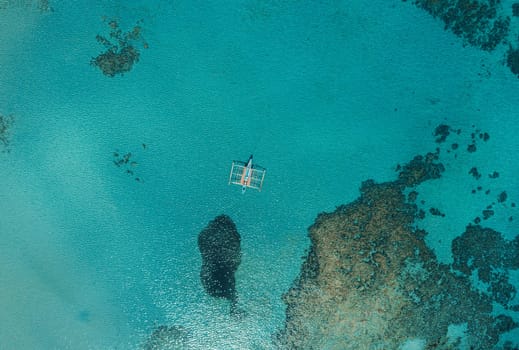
<point x="219" y="245"/>
<point x="441" y="132"/>
<point x="487" y="213"/>
<point x="121" y="50"/>
<point x="515" y="9"/>
<point x="436" y="212"/>
<point x="487" y="252"/>
<point x="412" y="196"/>
<point x="475" y="173"/>
<point x="479" y="23"/>
<point x="512" y="60"/>
<point x="502" y="197"/>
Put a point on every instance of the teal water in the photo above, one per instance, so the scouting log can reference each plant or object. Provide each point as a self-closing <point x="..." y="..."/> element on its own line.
<point x="325" y="94"/>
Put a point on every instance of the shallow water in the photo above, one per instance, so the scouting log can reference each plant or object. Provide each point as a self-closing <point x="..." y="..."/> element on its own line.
<point x="325" y="94"/>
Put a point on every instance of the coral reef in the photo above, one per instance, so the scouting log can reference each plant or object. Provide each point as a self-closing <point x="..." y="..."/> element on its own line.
<point x="121" y="51"/>
<point x="370" y="282"/>
<point x="6" y="123"/>
<point x="219" y="245"/>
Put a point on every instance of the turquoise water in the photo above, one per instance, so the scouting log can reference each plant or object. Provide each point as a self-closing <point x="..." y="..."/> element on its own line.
<point x="325" y="94"/>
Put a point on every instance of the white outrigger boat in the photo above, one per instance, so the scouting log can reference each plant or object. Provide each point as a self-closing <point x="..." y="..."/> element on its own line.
<point x="247" y="175"/>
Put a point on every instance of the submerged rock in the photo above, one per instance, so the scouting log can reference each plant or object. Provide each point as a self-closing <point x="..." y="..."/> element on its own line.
<point x="219" y="245"/>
